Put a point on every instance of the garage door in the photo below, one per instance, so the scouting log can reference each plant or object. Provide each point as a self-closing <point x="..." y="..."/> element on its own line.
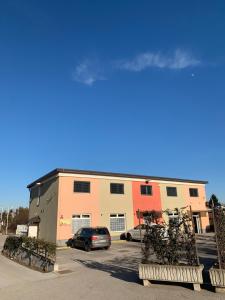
<point x="78" y="221"/>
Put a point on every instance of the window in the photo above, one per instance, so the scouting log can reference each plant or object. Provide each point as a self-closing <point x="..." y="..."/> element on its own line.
<point x="141" y="226"/>
<point x="146" y="190"/>
<point x="116" y="188"/>
<point x="100" y="231"/>
<point x="193" y="192"/>
<point x="173" y="217"/>
<point x="171" y="191"/>
<point x="117" y="222"/>
<point x="81" y="187"/>
<point x="39" y="196"/>
<point x="81" y="220"/>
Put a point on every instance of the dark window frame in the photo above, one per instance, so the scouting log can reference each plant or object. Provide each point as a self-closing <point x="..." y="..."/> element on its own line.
<point x="191" y="190"/>
<point x="169" y="192"/>
<point x="117" y="188"/>
<point x="146" y="188"/>
<point x="86" y="188"/>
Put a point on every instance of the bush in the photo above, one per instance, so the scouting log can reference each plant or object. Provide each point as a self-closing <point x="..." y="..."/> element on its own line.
<point x="219" y="220"/>
<point x="14" y="246"/>
<point x="172" y="243"/>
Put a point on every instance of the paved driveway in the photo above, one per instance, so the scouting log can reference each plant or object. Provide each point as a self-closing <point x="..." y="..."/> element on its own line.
<point x="99" y="275"/>
<point x="13" y="274"/>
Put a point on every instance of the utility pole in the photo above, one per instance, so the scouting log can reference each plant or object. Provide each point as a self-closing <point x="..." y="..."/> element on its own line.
<point x="1" y="222"/>
<point x="7" y="222"/>
<point x="1" y="213"/>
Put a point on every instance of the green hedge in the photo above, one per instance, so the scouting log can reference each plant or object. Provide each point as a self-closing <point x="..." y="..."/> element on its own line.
<point x="14" y="244"/>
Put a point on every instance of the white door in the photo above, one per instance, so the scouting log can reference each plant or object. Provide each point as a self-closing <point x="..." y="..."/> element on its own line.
<point x="197" y="224"/>
<point x="32" y="231"/>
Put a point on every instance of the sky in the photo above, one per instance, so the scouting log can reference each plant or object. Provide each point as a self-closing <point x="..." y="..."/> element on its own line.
<point x="120" y="86"/>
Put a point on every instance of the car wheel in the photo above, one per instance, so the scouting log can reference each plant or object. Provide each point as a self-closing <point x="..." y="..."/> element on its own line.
<point x="107" y="248"/>
<point x="87" y="247"/>
<point x="129" y="237"/>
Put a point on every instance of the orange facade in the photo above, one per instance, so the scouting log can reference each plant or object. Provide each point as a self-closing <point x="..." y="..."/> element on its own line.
<point x="70" y="203"/>
<point x="197" y="204"/>
<point x="60" y="208"/>
<point x="145" y="202"/>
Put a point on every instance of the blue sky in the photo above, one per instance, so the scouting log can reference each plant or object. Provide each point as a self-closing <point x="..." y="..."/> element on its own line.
<point x="122" y="86"/>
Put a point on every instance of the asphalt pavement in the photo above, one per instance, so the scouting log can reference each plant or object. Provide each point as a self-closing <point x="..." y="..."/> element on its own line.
<point x="99" y="274"/>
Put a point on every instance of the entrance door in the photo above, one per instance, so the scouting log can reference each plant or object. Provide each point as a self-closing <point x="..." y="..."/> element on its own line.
<point x="33" y="231"/>
<point x="197" y="224"/>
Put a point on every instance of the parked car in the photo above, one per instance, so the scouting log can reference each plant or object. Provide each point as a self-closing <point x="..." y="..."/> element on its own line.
<point x="137" y="233"/>
<point x="91" y="238"/>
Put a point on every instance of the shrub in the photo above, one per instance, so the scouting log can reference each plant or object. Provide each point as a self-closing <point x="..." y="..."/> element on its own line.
<point x="219" y="221"/>
<point x="172" y="243"/>
<point x="33" y="247"/>
<point x="12" y="245"/>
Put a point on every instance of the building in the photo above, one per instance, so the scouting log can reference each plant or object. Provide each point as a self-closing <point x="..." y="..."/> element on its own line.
<point x="64" y="200"/>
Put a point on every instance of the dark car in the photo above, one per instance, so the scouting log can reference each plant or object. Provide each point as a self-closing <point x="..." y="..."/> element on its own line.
<point x="91" y="238"/>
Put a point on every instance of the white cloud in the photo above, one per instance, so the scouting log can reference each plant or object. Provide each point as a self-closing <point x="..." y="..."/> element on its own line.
<point x="88" y="72"/>
<point x="179" y="60"/>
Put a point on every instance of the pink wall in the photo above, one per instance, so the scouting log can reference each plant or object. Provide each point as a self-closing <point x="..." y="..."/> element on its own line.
<point x="145" y="202"/>
<point x="76" y="203"/>
<point x="197" y="203"/>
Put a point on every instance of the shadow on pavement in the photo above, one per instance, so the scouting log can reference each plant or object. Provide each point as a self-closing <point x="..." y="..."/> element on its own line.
<point x="126" y="268"/>
<point x="120" y="268"/>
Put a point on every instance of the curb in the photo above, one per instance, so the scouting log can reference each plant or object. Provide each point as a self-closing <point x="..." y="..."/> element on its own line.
<point x="119" y="241"/>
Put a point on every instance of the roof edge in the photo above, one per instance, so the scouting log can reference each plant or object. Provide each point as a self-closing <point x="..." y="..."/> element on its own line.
<point x="111" y="174"/>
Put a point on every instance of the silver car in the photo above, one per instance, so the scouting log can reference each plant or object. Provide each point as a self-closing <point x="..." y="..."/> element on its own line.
<point x="137" y="233"/>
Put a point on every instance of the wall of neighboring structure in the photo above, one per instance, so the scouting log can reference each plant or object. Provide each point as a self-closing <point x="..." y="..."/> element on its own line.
<point x="171" y="202"/>
<point x="59" y="202"/>
<point x="71" y="203"/>
<point x="47" y="208"/>
<point x="198" y="204"/>
<point x="99" y="203"/>
<point x="183" y="199"/>
<point x="116" y="203"/>
<point x="145" y="202"/>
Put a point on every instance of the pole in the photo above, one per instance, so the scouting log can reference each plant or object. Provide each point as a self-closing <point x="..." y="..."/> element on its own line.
<point x="7" y="222"/>
<point x="1" y="219"/>
<point x="193" y="230"/>
<point x="139" y="222"/>
<point x="215" y="229"/>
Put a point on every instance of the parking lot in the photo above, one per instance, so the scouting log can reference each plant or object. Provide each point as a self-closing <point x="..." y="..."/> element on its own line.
<point x="122" y="259"/>
<point x="102" y="274"/>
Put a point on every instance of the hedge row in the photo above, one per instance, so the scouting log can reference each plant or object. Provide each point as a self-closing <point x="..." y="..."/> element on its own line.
<point x="14" y="244"/>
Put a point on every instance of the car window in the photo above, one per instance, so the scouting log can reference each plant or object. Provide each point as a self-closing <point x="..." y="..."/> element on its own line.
<point x="137" y="227"/>
<point x="78" y="232"/>
<point x="86" y="232"/>
<point x="83" y="231"/>
<point x="100" y="231"/>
